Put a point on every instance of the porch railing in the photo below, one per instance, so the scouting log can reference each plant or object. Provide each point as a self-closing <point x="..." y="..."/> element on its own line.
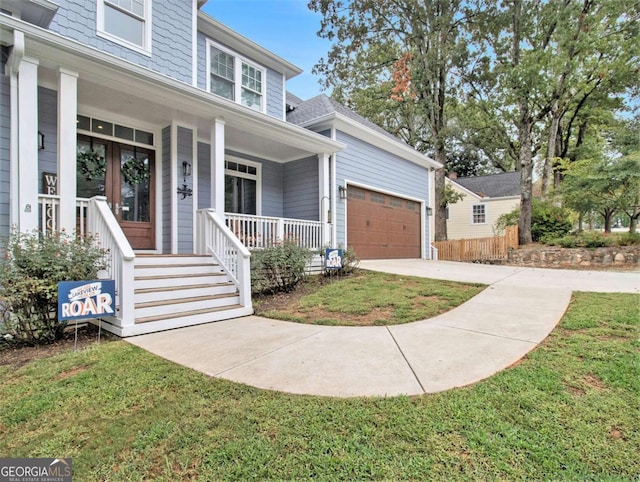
<point x="257" y="232"/>
<point x="215" y="239"/>
<point x="120" y="256"/>
<point x="49" y="213"/>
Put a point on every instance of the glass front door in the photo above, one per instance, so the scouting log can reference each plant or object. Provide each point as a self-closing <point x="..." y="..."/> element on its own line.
<point x="124" y="174"/>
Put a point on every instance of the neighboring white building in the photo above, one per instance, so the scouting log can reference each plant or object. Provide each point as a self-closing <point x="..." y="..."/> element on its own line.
<point x="486" y="198"/>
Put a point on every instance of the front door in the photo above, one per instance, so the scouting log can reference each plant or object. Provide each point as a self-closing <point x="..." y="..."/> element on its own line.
<point x="124" y="174"/>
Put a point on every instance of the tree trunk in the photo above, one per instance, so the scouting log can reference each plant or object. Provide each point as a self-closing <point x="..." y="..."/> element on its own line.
<point x="607" y="214"/>
<point x="526" y="175"/>
<point x="547" y="172"/>
<point x="440" y="210"/>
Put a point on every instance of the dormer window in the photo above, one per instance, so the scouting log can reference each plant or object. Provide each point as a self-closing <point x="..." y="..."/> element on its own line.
<point x="127" y="22"/>
<point x="235" y="78"/>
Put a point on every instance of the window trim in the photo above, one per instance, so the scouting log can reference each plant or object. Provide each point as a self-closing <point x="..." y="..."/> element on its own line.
<point x="239" y="60"/>
<point x="484" y="210"/>
<point x="146" y="37"/>
<point x="256" y="177"/>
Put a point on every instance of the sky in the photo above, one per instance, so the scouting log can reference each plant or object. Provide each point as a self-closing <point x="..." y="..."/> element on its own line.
<point x="285" y="27"/>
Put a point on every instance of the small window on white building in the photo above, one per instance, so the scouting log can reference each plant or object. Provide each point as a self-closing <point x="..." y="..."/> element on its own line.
<point x="478" y="214"/>
<point x="127" y="22"/>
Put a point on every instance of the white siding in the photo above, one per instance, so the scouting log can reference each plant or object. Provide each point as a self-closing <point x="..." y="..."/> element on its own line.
<point x="460" y="223"/>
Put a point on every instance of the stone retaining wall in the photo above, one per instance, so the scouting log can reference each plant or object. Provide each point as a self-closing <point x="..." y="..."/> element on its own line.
<point x="550" y="257"/>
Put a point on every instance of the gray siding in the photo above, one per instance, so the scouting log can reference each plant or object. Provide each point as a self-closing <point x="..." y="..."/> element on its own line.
<point x="274" y="81"/>
<point x="48" y="125"/>
<point x="204" y="175"/>
<point x="363" y="163"/>
<point x="272" y="189"/>
<point x="166" y="190"/>
<point x="275" y="90"/>
<point x="5" y="161"/>
<point x="171" y="38"/>
<point x="301" y="189"/>
<point x="185" y="206"/>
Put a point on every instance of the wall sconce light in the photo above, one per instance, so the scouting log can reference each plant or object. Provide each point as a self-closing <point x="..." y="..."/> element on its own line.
<point x="40" y="140"/>
<point x="186" y="169"/>
<point x="429" y="211"/>
<point x="185" y="191"/>
<point x="343" y="192"/>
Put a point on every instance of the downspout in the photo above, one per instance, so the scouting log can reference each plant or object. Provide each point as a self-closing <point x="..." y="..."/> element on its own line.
<point x="11" y="69"/>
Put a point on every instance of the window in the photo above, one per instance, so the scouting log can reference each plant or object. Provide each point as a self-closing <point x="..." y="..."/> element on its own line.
<point x="478" y="214"/>
<point x="234" y="78"/>
<point x="242" y="190"/>
<point x="127" y="22"/>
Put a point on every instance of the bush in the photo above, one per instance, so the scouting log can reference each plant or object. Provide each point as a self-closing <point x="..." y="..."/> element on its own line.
<point x="594" y="239"/>
<point x="32" y="266"/>
<point x="278" y="268"/>
<point x="549" y="221"/>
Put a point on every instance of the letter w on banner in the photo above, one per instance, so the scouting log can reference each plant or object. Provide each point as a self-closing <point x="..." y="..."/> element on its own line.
<point x="86" y="299"/>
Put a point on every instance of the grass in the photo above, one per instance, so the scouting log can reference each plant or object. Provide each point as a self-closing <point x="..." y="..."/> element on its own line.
<point x="367" y="298"/>
<point x="570" y="410"/>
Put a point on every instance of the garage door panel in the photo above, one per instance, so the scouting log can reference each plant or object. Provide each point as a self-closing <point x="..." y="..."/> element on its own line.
<point x="382" y="226"/>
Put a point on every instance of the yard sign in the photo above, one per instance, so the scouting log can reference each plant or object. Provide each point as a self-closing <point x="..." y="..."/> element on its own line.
<point x="86" y="299"/>
<point x="332" y="258"/>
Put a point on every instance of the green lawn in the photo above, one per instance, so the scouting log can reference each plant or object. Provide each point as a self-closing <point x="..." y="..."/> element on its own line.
<point x="367" y="298"/>
<point x="569" y="410"/>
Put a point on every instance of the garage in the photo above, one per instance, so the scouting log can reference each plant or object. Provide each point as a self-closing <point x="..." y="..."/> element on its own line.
<point x="382" y="226"/>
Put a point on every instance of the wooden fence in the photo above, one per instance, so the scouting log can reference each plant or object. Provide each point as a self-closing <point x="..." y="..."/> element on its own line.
<point x="479" y="249"/>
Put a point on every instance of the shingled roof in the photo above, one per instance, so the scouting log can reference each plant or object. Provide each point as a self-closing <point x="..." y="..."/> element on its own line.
<point x="301" y="112"/>
<point x="493" y="185"/>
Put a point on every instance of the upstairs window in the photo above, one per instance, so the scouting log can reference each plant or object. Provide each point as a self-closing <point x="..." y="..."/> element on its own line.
<point x="234" y="78"/>
<point x="127" y="22"/>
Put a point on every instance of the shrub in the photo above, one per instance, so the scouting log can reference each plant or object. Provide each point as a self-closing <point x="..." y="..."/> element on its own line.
<point x="278" y="268"/>
<point x="594" y="239"/>
<point x="548" y="221"/>
<point x="32" y="266"/>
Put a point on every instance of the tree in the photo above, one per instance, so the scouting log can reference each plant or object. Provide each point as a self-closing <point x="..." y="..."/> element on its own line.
<point x="536" y="61"/>
<point x="405" y="53"/>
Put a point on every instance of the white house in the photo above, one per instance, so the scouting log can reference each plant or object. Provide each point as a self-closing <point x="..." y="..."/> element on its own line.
<point x="485" y="199"/>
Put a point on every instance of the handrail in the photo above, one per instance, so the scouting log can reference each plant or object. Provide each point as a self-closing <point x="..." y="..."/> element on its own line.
<point x="102" y="223"/>
<point x="215" y="239"/>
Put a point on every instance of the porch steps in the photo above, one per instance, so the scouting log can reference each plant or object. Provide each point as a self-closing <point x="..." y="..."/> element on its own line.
<point x="172" y="291"/>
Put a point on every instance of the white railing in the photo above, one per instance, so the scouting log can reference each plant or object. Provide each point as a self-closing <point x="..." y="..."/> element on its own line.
<point x="120" y="257"/>
<point x="257" y="232"/>
<point x="49" y="214"/>
<point x="215" y="239"/>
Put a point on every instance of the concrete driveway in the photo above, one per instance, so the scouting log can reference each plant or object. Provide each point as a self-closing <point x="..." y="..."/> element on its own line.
<point x="479" y="338"/>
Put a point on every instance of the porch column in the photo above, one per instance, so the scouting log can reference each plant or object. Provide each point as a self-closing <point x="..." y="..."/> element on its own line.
<point x="217" y="166"/>
<point x="325" y="195"/>
<point x="67" y="145"/>
<point x="28" y="144"/>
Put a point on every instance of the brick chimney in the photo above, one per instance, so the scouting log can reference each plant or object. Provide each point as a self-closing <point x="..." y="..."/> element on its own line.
<point x="453" y="176"/>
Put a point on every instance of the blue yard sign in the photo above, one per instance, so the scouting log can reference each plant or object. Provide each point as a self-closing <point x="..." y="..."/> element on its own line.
<point x="86" y="299"/>
<point x="332" y="258"/>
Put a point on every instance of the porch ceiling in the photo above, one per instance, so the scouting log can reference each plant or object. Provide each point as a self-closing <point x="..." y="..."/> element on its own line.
<point x="112" y="103"/>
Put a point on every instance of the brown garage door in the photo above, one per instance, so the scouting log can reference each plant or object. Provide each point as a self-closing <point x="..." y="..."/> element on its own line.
<point x="380" y="226"/>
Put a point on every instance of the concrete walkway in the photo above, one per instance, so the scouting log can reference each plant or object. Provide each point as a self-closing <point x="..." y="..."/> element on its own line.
<point x="479" y="338"/>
